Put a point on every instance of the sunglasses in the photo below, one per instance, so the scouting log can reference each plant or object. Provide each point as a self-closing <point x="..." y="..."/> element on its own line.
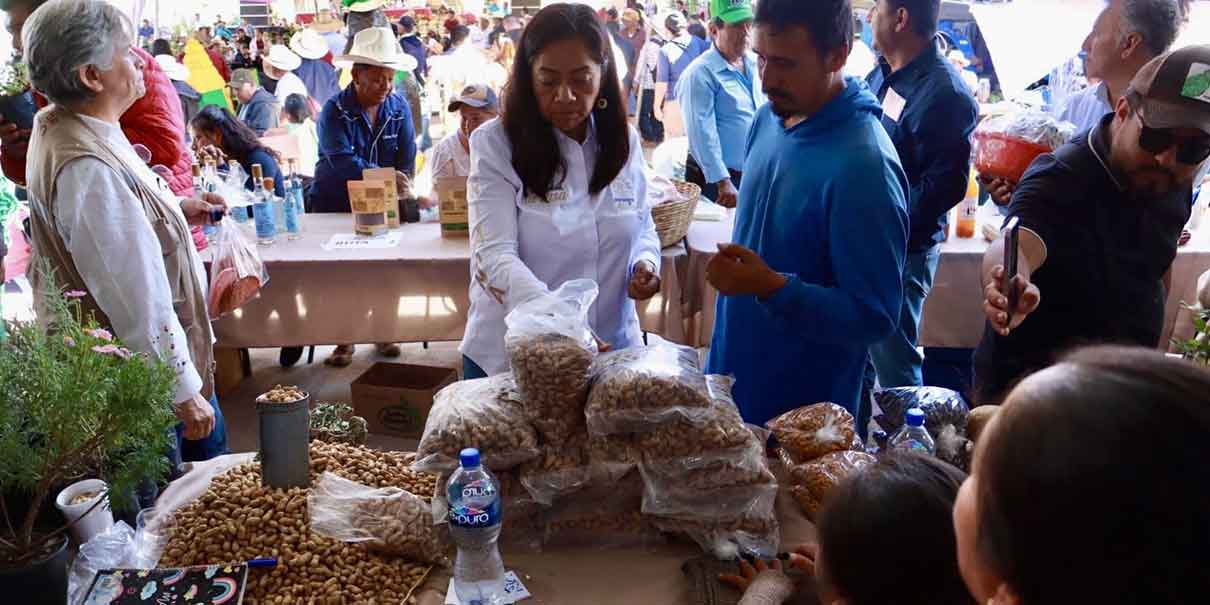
<point x="1158" y="140"/>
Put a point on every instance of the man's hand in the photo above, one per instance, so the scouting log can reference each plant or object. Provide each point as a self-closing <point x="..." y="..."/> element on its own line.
<point x="14" y="141"/>
<point x="995" y="301"/>
<point x="644" y="283"/>
<point x="737" y="271"/>
<point x="728" y="195"/>
<point x="198" y="417"/>
<point x="1001" y="190"/>
<point x="197" y="211"/>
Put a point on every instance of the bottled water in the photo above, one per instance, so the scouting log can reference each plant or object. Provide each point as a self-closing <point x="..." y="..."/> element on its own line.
<point x="913" y="436"/>
<point x="474" y="518"/>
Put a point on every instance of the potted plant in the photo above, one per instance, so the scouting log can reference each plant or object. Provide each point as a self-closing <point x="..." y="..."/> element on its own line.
<point x="16" y="100"/>
<point x="75" y="402"/>
<point x="1197" y="349"/>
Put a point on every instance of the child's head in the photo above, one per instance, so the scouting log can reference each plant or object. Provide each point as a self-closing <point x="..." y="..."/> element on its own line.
<point x="297" y="109"/>
<point x="1088" y="485"/>
<point x="886" y="535"/>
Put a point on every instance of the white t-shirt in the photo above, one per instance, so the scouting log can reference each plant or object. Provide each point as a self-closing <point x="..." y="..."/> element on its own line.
<point x="449" y="158"/>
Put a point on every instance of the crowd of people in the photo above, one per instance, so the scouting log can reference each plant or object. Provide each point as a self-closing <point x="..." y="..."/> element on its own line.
<point x="841" y="188"/>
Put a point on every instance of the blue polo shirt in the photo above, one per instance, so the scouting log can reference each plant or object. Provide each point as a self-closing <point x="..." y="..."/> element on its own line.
<point x="719" y="103"/>
<point x="823" y="204"/>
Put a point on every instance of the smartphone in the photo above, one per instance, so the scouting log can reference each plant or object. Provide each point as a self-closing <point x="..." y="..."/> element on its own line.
<point x="1011" y="239"/>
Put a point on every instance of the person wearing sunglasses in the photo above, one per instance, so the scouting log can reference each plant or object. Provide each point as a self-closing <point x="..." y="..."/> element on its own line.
<point x="1100" y="219"/>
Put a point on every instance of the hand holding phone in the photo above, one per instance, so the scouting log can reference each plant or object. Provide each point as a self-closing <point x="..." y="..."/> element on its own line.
<point x="1011" y="250"/>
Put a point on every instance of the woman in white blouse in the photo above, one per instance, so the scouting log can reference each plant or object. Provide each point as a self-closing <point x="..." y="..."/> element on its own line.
<point x="557" y="190"/>
<point x="103" y="222"/>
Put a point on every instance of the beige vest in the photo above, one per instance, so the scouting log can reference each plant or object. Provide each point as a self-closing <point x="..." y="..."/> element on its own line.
<point x="59" y="137"/>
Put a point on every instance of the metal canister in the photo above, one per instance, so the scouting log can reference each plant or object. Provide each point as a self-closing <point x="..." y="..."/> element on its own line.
<point x="283" y="439"/>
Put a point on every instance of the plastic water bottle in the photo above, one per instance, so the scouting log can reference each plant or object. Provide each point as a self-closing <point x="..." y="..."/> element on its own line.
<point x="913" y="436"/>
<point x="474" y="518"/>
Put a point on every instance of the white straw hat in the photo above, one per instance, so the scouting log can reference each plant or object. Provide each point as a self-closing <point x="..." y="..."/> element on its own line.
<point x="366" y="6"/>
<point x="283" y="58"/>
<point x="308" y="44"/>
<point x="377" y="46"/>
<point x="172" y="69"/>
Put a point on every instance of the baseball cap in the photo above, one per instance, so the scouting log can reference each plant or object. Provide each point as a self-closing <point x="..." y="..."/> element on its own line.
<point x="474" y="95"/>
<point x="731" y="11"/>
<point x="407" y="22"/>
<point x="240" y="77"/>
<point x="1174" y="89"/>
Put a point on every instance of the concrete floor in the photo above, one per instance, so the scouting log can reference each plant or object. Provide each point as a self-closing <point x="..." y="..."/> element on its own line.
<point x="325" y="383"/>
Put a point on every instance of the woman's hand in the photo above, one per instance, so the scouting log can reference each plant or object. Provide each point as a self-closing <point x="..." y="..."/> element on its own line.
<point x="644" y="283"/>
<point x="762" y="584"/>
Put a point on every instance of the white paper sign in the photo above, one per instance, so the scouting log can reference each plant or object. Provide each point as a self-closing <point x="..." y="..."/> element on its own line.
<point x="349" y="241"/>
<point x="893" y="104"/>
<point x="514" y="591"/>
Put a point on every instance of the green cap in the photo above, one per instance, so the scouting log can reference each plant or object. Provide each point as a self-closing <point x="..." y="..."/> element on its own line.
<point x="731" y="11"/>
<point x="240" y="77"/>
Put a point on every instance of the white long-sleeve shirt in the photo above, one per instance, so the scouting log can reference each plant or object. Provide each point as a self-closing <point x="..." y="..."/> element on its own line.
<point x="118" y="254"/>
<point x="524" y="246"/>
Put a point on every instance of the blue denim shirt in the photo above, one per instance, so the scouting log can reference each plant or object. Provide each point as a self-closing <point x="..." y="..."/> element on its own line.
<point x="347" y="146"/>
<point x="932" y="136"/>
<point x="719" y="103"/>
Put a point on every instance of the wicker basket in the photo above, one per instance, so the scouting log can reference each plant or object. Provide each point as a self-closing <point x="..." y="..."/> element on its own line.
<point x="672" y="218"/>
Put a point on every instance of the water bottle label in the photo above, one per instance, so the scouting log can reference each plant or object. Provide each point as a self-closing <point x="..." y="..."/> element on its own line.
<point x="911" y="446"/>
<point x="240" y="214"/>
<point x="291" y="216"/>
<point x="470" y="517"/>
<point x="264" y="220"/>
<point x="463" y="514"/>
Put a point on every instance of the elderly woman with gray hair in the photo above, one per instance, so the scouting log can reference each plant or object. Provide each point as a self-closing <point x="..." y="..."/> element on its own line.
<point x="107" y="225"/>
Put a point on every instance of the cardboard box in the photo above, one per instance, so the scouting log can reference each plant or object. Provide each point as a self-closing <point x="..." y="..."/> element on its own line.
<point x="455" y="215"/>
<point x="395" y="398"/>
<point x="387" y="177"/>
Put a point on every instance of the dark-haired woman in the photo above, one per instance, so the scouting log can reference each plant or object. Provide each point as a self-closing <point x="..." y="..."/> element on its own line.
<point x="557" y="190"/>
<point x="1089" y="486"/>
<point x="217" y="129"/>
<point x="900" y="508"/>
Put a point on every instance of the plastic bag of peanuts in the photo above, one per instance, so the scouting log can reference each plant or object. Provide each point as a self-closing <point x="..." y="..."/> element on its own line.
<point x="486" y="414"/>
<point x="387" y="520"/>
<point x="811" y="431"/>
<point x="811" y="482"/>
<point x="638" y="389"/>
<point x="720" y="434"/>
<point x="559" y="471"/>
<point x="551" y="347"/>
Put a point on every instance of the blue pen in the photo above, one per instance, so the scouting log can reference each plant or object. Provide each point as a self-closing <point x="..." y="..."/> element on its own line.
<point x="266" y="562"/>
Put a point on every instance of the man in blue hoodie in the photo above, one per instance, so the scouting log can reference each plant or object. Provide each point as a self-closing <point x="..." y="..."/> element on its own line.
<point x="815" y="274"/>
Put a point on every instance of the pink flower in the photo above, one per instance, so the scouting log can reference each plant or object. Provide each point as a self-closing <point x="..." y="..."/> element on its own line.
<point x="75" y="294"/>
<point x="100" y="334"/>
<point x="69" y="341"/>
<point x="124" y="353"/>
<point x="106" y="349"/>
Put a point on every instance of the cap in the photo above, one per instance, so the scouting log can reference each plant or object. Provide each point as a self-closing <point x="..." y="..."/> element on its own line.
<point x="240" y="77"/>
<point x="731" y="11"/>
<point x="914" y="417"/>
<point x="469" y="457"/>
<point x="407" y="22"/>
<point x="675" y="22"/>
<point x="1173" y="90"/>
<point x="474" y="95"/>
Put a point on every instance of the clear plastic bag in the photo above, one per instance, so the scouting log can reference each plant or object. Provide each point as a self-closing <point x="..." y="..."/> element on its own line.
<point x="1009" y="144"/>
<point x="811" y="482"/>
<point x="486" y="414"/>
<point x="720" y="487"/>
<point x="941" y="407"/>
<point x="719" y="432"/>
<point x="114" y="548"/>
<point x="559" y="471"/>
<point x="757" y="533"/>
<point x="387" y="520"/>
<point x="237" y="273"/>
<point x="1032" y="126"/>
<point x="809" y="432"/>
<point x="231" y="186"/>
<point x="551" y="349"/>
<point x="636" y="390"/>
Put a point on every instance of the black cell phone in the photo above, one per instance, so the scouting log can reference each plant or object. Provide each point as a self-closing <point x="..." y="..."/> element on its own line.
<point x="1011" y="239"/>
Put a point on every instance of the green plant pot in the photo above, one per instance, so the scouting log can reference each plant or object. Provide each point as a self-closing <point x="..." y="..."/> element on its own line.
<point x="43" y="582"/>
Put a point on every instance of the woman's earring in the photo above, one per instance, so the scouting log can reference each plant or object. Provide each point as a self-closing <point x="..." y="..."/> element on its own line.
<point x="602" y="103"/>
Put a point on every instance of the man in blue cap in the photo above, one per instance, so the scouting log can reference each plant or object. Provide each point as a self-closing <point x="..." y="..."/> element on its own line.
<point x="720" y="93"/>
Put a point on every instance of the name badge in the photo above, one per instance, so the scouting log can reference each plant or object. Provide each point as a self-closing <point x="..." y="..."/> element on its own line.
<point x="893" y="104"/>
<point x="623" y="193"/>
<point x="557" y="196"/>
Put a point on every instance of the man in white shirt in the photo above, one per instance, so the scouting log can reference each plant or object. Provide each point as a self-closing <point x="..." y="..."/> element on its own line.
<point x="280" y="65"/>
<point x="1126" y="36"/>
<point x="451" y="157"/>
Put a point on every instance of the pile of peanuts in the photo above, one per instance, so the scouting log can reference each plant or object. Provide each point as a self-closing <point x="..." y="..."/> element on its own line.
<point x="238" y="519"/>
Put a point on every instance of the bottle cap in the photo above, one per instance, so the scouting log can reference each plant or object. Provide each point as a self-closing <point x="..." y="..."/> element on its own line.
<point x="915" y="417"/>
<point x="469" y="458"/>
